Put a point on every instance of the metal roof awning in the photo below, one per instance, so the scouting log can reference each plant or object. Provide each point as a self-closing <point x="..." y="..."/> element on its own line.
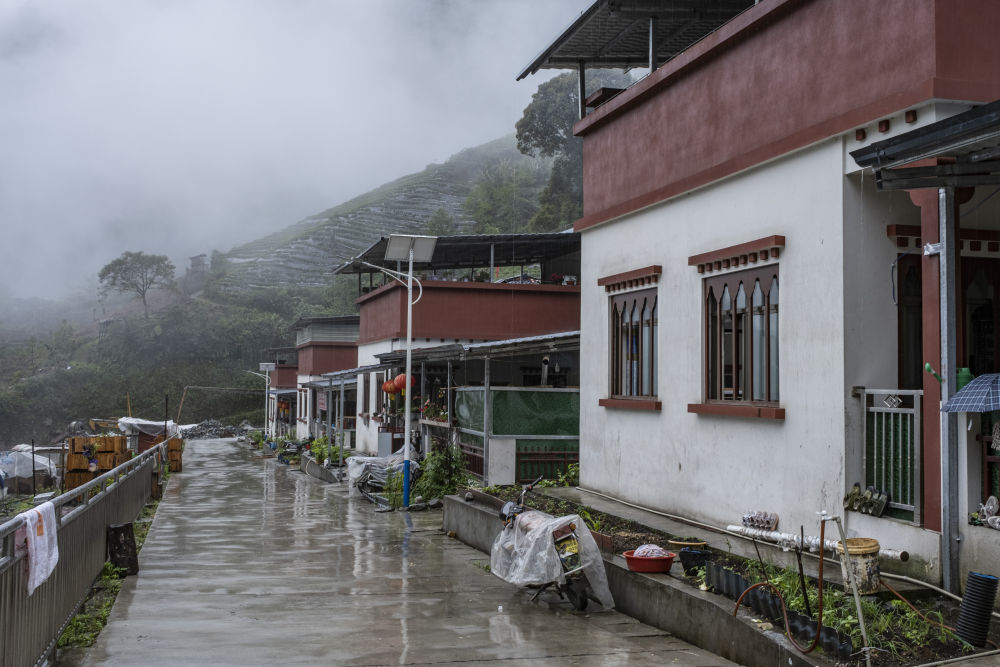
<point x="475" y="251"/>
<point x="621" y="34"/>
<point x="970" y="142"/>
<point x="348" y="374"/>
<point x="568" y="340"/>
<point x="281" y="392"/>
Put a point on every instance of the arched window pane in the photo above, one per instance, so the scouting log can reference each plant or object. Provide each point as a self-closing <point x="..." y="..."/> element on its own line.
<point x="633" y="351"/>
<point x="772" y="357"/>
<point x="758" y="336"/>
<point x="623" y="359"/>
<point x="739" y="345"/>
<point x="652" y="353"/>
<point x="647" y="345"/>
<point x="728" y="386"/>
<point x="615" y="352"/>
<point x="712" y="343"/>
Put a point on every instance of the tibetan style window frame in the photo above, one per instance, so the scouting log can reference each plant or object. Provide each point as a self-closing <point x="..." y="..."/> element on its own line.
<point x="748" y="300"/>
<point x="737" y="263"/>
<point x="632" y="347"/>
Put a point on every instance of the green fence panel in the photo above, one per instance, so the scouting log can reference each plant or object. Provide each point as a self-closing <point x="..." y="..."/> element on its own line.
<point x="536" y="412"/>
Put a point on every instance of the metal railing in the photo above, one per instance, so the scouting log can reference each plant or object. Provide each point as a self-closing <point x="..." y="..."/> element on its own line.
<point x="892" y="429"/>
<point x="31" y="625"/>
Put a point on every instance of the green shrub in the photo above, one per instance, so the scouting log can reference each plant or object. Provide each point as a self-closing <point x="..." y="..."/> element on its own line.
<point x="443" y="471"/>
<point x="394" y="489"/>
<point x="319" y="449"/>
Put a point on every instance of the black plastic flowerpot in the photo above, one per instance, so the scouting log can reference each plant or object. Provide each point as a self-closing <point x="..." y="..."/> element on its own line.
<point x="796" y="623"/>
<point x="829" y="640"/>
<point x="772" y="605"/>
<point x="741" y="585"/>
<point x="734" y="586"/>
<point x="692" y="559"/>
<point x="733" y="583"/>
<point x="846" y="647"/>
<point x="977" y="605"/>
<point x="712" y="576"/>
<point x="757" y="601"/>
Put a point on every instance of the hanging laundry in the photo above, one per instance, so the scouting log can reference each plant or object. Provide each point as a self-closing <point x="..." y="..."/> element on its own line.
<point x="39" y="530"/>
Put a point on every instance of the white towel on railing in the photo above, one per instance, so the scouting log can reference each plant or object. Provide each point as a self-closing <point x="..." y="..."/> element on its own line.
<point x="39" y="531"/>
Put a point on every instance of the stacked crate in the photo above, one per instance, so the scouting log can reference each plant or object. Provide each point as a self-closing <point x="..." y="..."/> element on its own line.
<point x="111" y="451"/>
<point x="175" y="450"/>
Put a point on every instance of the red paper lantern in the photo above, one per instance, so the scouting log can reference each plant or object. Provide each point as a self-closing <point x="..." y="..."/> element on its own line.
<point x="388" y="387"/>
<point x="400" y="381"/>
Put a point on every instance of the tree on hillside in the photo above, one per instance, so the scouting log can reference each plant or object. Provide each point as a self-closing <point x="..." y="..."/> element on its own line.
<point x="503" y="200"/>
<point x="138" y="273"/>
<point x="441" y="224"/>
<point x="546" y="129"/>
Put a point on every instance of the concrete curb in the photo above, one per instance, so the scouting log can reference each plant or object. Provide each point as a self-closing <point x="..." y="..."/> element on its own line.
<point x="703" y="619"/>
<point x="308" y="465"/>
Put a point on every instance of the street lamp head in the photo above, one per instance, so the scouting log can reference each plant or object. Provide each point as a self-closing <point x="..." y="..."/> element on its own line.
<point x="398" y="248"/>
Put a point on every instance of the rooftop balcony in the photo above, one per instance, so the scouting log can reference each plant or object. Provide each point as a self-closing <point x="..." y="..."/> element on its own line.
<point x="470" y="311"/>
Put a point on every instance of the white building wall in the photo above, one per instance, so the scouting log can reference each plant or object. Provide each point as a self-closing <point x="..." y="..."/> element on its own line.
<point x="870" y="315"/>
<point x="306" y="398"/>
<point x="714" y="468"/>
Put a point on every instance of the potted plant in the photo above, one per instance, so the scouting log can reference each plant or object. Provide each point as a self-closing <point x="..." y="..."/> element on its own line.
<point x="692" y="559"/>
<point x="679" y="543"/>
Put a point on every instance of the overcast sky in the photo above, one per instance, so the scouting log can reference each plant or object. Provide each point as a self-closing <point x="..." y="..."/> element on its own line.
<point x="181" y="126"/>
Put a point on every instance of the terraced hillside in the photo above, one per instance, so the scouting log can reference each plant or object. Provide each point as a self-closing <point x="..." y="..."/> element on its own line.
<point x="305" y="253"/>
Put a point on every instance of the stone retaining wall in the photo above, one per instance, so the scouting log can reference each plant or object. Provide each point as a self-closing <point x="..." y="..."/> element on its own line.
<point x="703" y="619"/>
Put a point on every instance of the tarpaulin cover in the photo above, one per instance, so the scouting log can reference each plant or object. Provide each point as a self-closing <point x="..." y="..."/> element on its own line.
<point x="524" y="554"/>
<point x="132" y="425"/>
<point x="469" y="409"/>
<point x="18" y="464"/>
<point x="378" y="466"/>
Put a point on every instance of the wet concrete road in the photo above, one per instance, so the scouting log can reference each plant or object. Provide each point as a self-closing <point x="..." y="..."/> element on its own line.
<point x="251" y="563"/>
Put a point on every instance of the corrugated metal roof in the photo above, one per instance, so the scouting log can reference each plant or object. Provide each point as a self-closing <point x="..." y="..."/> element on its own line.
<point x="475" y="251"/>
<point x="566" y="340"/>
<point x="349" y="372"/>
<point x="970" y="139"/>
<point x="615" y="33"/>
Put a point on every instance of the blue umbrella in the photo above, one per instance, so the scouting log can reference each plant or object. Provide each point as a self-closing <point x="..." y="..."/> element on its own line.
<point x="982" y="394"/>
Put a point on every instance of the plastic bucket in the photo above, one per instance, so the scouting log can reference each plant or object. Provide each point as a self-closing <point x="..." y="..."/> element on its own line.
<point x="863" y="553"/>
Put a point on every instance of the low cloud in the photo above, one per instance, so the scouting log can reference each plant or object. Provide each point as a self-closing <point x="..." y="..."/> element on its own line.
<point x="185" y="126"/>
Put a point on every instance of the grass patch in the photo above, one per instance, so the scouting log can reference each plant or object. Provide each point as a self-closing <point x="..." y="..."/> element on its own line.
<point x="86" y="625"/>
<point x="84" y="628"/>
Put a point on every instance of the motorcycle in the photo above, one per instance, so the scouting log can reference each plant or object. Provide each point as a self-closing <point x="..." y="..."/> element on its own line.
<point x="541" y="551"/>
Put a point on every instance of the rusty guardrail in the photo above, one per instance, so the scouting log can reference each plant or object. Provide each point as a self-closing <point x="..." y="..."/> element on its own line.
<point x="30" y="626"/>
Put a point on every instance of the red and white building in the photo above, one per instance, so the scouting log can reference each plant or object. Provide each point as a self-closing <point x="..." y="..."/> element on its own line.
<point x="727" y="173"/>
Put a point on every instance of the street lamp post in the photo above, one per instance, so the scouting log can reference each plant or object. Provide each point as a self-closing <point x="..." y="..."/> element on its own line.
<point x="267" y="368"/>
<point x="411" y="248"/>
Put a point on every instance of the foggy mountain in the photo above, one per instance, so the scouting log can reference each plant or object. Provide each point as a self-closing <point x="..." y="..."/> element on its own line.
<point x="305" y="253"/>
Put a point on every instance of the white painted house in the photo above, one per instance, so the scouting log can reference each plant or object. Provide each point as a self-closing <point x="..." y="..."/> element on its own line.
<point x="750" y="288"/>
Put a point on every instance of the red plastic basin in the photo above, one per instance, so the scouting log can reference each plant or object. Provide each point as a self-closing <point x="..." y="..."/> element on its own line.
<point x="649" y="564"/>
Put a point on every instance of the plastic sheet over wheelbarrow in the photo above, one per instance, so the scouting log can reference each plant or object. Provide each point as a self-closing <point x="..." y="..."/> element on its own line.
<point x="525" y="555"/>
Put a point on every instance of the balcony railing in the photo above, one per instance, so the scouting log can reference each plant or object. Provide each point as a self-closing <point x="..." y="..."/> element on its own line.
<point x="892" y="429"/>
